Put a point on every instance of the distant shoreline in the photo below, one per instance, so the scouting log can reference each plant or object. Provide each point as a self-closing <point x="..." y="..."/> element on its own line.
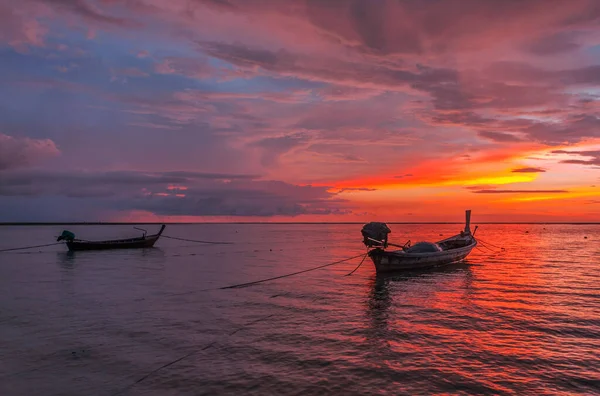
<point x="292" y="223"/>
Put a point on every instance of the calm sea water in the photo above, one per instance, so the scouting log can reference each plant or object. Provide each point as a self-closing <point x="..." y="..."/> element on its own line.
<point x="522" y="321"/>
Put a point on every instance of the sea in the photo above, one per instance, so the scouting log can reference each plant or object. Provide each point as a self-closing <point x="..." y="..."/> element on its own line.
<point x="521" y="316"/>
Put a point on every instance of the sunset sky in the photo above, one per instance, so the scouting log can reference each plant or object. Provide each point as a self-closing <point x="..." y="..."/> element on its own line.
<point x="313" y="110"/>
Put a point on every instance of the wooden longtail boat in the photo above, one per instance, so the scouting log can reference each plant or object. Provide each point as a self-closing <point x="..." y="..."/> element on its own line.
<point x="421" y="255"/>
<point x="145" y="241"/>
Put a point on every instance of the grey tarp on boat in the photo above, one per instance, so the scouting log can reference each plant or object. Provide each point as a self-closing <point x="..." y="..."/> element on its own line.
<point x="424" y="247"/>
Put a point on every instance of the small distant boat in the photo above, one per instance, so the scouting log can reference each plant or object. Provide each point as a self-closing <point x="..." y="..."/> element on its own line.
<point x="145" y="241"/>
<point x="421" y="255"/>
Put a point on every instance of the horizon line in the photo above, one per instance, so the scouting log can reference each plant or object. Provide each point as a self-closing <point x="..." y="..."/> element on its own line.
<point x="286" y="222"/>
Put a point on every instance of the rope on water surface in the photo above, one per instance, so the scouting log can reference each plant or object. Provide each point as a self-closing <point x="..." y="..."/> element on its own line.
<point x="242" y="327"/>
<point x="30" y="247"/>
<point x="485" y="247"/>
<point x="246" y="284"/>
<point x="361" y="262"/>
<point x="188" y="355"/>
<point x="197" y="241"/>
<point x="487" y="243"/>
<point x="287" y="275"/>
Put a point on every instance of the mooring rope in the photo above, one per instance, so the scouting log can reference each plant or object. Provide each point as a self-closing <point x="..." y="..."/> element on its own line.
<point x="189" y="354"/>
<point x="246" y="284"/>
<point x="361" y="262"/>
<point x="487" y="243"/>
<point x="198" y="241"/>
<point x="239" y="285"/>
<point x="31" y="247"/>
<point x="485" y="247"/>
<point x="243" y="326"/>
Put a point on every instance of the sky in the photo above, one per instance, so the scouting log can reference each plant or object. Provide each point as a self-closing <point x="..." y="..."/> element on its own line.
<point x="299" y="110"/>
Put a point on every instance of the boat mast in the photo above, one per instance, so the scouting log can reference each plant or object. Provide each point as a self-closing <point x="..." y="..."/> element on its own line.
<point x="468" y="221"/>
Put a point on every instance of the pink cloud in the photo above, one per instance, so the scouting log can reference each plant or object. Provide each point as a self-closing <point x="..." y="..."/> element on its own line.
<point x="343" y="89"/>
<point x="17" y="152"/>
<point x="18" y="28"/>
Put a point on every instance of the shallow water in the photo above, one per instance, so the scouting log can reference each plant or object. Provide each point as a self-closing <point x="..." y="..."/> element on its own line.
<point x="522" y="321"/>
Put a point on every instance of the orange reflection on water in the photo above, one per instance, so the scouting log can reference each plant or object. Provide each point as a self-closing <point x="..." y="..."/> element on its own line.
<point x="504" y="319"/>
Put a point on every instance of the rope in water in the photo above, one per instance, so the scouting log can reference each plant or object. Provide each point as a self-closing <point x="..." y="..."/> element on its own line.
<point x="242" y="327"/>
<point x="239" y="285"/>
<point x="31" y="247"/>
<point x="188" y="355"/>
<point x="361" y="262"/>
<point x="487" y="243"/>
<point x="164" y="236"/>
<point x="197" y="241"/>
<point x="485" y="247"/>
<point x="246" y="284"/>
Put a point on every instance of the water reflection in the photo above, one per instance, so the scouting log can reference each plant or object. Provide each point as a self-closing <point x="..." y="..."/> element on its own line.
<point x="69" y="259"/>
<point x="416" y="289"/>
<point x="66" y="260"/>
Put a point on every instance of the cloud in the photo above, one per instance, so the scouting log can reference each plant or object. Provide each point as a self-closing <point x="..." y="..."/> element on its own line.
<point x="528" y="170"/>
<point x="500" y="137"/>
<point x="189" y="67"/>
<point x="55" y="180"/>
<point x="88" y="11"/>
<point x="356" y="189"/>
<point x="268" y="198"/>
<point x="274" y="147"/>
<point x="556" y="43"/>
<point x="177" y="192"/>
<point x="17" y="152"/>
<point x="123" y="73"/>
<point x="130" y="72"/>
<point x="520" y="191"/>
<point x="301" y="91"/>
<point x="18" y="28"/>
<point x="594" y="155"/>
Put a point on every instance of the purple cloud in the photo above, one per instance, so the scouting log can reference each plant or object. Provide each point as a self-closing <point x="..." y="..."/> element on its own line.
<point x="595" y="157"/>
<point x="180" y="193"/>
<point x="500" y="137"/>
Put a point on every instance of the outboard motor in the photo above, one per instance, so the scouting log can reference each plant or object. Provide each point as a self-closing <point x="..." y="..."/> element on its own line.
<point x="375" y="234"/>
<point x="66" y="235"/>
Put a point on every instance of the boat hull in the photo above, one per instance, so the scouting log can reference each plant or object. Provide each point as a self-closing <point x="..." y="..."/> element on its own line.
<point x="390" y="261"/>
<point x="109" y="245"/>
<point x="146" y="241"/>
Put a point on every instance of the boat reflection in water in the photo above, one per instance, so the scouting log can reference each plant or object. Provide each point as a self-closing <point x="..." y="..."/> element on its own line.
<point x="401" y="306"/>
